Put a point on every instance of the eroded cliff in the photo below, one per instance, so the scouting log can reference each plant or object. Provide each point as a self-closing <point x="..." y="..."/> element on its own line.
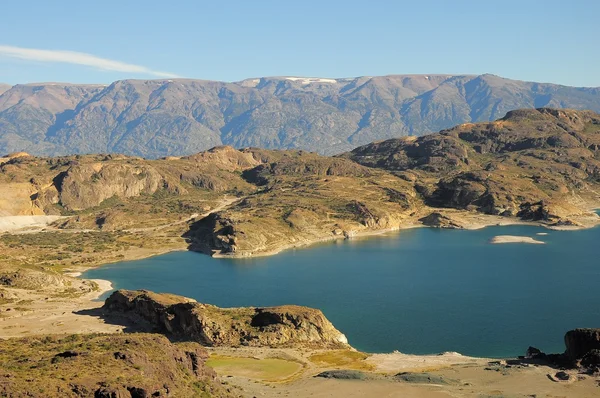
<point x="186" y="319"/>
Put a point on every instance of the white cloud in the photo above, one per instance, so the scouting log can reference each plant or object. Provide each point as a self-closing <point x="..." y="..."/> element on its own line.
<point x="77" y="58"/>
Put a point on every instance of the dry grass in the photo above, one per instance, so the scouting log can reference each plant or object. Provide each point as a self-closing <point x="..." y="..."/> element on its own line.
<point x="79" y="365"/>
<point x="345" y="359"/>
<point x="267" y="369"/>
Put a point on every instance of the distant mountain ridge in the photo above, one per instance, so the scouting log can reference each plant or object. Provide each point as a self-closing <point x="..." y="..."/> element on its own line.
<point x="4" y="87"/>
<point x="155" y="118"/>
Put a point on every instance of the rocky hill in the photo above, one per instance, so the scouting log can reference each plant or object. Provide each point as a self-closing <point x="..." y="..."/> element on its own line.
<point x="155" y="118"/>
<point x="106" y="366"/>
<point x="186" y="319"/>
<point x="68" y="185"/>
<point x="534" y="164"/>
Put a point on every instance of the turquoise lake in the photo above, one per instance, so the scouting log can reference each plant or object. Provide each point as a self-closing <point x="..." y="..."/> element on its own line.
<point x="417" y="291"/>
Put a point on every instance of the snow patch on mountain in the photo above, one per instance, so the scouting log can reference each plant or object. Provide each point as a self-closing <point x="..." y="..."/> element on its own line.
<point x="309" y="80"/>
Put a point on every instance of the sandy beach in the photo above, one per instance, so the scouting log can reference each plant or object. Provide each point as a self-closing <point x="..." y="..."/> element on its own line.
<point x="54" y="315"/>
<point x="515" y="239"/>
<point x="23" y="223"/>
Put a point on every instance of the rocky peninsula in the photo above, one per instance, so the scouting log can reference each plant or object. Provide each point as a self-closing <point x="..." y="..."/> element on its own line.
<point x="183" y="318"/>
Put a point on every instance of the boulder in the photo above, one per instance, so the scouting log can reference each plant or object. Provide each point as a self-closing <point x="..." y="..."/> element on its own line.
<point x="562" y="376"/>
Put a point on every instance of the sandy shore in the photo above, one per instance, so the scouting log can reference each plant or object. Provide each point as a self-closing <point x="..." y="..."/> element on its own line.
<point x="398" y="362"/>
<point x="466" y="219"/>
<point x="445" y="375"/>
<point x="17" y="223"/>
<point x="45" y="315"/>
<point x="515" y="239"/>
<point x="49" y="315"/>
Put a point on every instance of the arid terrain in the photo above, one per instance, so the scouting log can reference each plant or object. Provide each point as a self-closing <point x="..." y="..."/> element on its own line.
<point x="61" y="216"/>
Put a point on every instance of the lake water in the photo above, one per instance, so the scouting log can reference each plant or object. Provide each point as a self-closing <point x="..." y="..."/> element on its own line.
<point x="417" y="291"/>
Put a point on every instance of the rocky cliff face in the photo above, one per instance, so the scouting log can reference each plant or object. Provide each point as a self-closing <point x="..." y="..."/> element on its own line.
<point x="283" y="326"/>
<point x="583" y="345"/>
<point x="582" y="353"/>
<point x="154" y="118"/>
<point x="33" y="185"/>
<point x="88" y="185"/>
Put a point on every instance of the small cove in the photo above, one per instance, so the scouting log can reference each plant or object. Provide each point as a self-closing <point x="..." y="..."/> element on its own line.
<point x="417" y="291"/>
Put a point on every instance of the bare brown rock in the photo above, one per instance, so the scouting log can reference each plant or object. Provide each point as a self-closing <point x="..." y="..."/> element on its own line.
<point x="580" y="342"/>
<point x="85" y="186"/>
<point x="438" y="220"/>
<point x="282" y="326"/>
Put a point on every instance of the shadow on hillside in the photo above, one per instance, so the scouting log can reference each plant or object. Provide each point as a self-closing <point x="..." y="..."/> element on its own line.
<point x="129" y="324"/>
<point x="200" y="235"/>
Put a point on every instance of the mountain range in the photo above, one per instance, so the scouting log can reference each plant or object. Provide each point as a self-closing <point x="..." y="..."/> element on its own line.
<point x="156" y="118"/>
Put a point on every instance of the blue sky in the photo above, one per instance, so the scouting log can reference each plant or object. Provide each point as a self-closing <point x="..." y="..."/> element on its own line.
<point x="547" y="41"/>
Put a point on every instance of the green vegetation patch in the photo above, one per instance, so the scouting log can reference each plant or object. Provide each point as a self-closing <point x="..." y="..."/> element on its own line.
<point x="268" y="369"/>
<point x="342" y="359"/>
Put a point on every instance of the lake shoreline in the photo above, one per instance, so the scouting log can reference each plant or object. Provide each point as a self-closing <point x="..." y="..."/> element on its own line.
<point x="226" y="276"/>
<point x="469" y="220"/>
<point x="466" y="220"/>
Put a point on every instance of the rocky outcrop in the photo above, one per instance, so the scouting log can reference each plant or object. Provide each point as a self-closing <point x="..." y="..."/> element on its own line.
<point x="438" y="220"/>
<point x="227" y="158"/>
<point x="43" y="280"/>
<point x="87" y="185"/>
<point x="539" y="165"/>
<point x="433" y="152"/>
<point x="182" y="318"/>
<point x="302" y="198"/>
<point x="51" y="186"/>
<point x="581" y="342"/>
<point x="582" y="352"/>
